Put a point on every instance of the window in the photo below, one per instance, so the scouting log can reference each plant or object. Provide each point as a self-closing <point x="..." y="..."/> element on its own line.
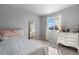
<point x="51" y="23"/>
<point x="54" y="22"/>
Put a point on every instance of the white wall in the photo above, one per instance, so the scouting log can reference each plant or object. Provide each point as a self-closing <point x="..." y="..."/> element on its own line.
<point x="70" y="18"/>
<point x="17" y="18"/>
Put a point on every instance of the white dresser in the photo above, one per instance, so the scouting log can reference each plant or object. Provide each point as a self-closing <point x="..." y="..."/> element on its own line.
<point x="68" y="39"/>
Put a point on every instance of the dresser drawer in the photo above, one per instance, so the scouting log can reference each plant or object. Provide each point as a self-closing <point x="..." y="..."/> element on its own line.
<point x="71" y="40"/>
<point x="67" y="39"/>
<point x="69" y="34"/>
<point x="61" y="40"/>
<point x="71" y="44"/>
<point x="61" y="35"/>
<point x="72" y="36"/>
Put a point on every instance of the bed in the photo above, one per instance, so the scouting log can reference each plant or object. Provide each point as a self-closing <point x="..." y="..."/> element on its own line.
<point x="20" y="46"/>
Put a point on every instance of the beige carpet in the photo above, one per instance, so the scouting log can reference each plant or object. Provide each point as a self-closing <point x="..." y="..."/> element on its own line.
<point x="51" y="51"/>
<point x="64" y="50"/>
<point x="41" y="42"/>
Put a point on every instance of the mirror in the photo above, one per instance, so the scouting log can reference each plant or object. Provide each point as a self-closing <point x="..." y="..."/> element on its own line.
<point x="31" y="30"/>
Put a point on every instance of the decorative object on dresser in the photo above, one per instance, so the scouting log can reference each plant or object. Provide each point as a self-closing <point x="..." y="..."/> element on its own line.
<point x="68" y="39"/>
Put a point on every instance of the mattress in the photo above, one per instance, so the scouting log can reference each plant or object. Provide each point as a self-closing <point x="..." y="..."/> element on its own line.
<point x="20" y="46"/>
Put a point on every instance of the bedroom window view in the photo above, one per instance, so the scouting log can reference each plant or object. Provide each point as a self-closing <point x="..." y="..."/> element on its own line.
<point x="54" y="22"/>
<point x="51" y="23"/>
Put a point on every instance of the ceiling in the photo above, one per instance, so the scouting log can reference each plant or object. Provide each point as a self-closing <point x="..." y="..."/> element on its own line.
<point x="42" y="9"/>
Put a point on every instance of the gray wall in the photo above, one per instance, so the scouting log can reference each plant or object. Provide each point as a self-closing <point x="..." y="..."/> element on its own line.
<point x="70" y="18"/>
<point x="43" y="24"/>
<point x="17" y="18"/>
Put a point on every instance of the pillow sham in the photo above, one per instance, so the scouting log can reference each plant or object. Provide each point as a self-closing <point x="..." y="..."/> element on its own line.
<point x="8" y="34"/>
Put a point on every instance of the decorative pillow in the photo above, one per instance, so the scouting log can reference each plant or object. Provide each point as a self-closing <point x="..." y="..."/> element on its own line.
<point x="9" y="33"/>
<point x="6" y="34"/>
<point x="61" y="28"/>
